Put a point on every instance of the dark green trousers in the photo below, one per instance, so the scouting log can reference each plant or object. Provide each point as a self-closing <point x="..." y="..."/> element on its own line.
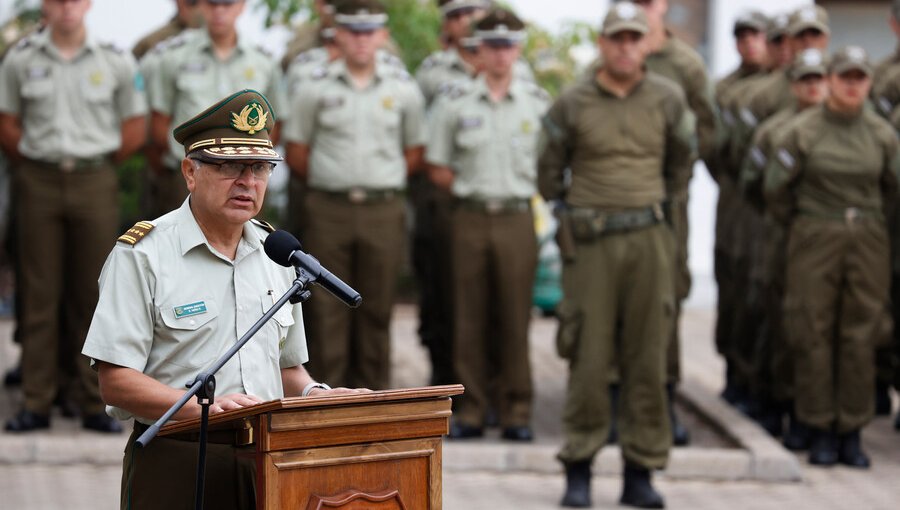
<point x="362" y="244"/>
<point x="66" y="225"/>
<point x="626" y="279"/>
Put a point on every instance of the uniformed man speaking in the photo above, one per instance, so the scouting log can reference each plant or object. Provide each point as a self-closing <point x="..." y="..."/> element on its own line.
<point x="627" y="137"/>
<point x="176" y="293"/>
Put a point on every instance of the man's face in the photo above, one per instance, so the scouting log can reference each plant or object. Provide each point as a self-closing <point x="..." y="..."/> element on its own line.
<point x="233" y="200"/>
<point x="497" y="59"/>
<point x="810" y="38"/>
<point x="780" y="51"/>
<point x="65" y="15"/>
<point x="221" y="18"/>
<point x="623" y="54"/>
<point x="810" y="89"/>
<point x="359" y="48"/>
<point x="458" y="22"/>
<point x="751" y="45"/>
<point x="850" y="89"/>
<point x="656" y="12"/>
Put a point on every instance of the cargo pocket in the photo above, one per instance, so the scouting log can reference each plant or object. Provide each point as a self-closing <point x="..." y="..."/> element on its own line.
<point x="571" y="319"/>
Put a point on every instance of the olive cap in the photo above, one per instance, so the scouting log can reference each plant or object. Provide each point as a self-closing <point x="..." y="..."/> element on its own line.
<point x="807" y="62"/>
<point x="778" y="26"/>
<point x="754" y="20"/>
<point x="360" y="15"/>
<point x="850" y="58"/>
<point x="500" y="26"/>
<point x="809" y="17"/>
<point x="237" y="127"/>
<point x="625" y="16"/>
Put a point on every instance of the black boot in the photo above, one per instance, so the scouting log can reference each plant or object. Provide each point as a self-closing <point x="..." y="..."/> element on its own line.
<point x="770" y="417"/>
<point x="578" y="485"/>
<point x="823" y="451"/>
<point x="13" y="377"/>
<point x="680" y="435"/>
<point x="882" y="399"/>
<point x="27" y="421"/>
<point x="797" y="437"/>
<point x="850" y="451"/>
<point x="613" y="436"/>
<point x="637" y="489"/>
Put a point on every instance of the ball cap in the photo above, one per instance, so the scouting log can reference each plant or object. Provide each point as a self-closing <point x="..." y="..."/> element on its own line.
<point x="500" y="26"/>
<point x="624" y="16"/>
<point x="237" y="127"/>
<point x="754" y="20"/>
<point x="808" y="62"/>
<point x="360" y="15"/>
<point x="809" y="17"/>
<point x="778" y="26"/>
<point x="850" y="58"/>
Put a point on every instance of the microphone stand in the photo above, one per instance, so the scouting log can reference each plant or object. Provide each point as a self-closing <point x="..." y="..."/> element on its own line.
<point x="204" y="385"/>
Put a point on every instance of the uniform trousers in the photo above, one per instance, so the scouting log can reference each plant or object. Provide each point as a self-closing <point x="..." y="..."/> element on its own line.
<point x="66" y="224"/>
<point x="627" y="279"/>
<point x="362" y="243"/>
<point x="494" y="259"/>
<point x="836" y="303"/>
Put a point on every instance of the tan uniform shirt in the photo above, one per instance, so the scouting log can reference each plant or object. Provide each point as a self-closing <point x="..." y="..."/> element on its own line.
<point x="307" y="65"/>
<point x="187" y="78"/>
<point x="70" y="108"/>
<point x="442" y="69"/>
<point x="357" y="137"/>
<point x="624" y="153"/>
<point x="171" y="305"/>
<point x="491" y="146"/>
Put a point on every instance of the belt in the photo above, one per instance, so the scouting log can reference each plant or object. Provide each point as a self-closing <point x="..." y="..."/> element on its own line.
<point x="850" y="215"/>
<point x="494" y="205"/>
<point x="233" y="437"/>
<point x="589" y="224"/>
<point x="71" y="164"/>
<point x="363" y="195"/>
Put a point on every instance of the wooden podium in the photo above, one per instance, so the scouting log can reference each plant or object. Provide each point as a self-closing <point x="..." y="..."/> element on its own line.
<point x="375" y="451"/>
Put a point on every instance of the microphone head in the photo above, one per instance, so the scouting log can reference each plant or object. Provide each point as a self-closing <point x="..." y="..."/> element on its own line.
<point x="280" y="245"/>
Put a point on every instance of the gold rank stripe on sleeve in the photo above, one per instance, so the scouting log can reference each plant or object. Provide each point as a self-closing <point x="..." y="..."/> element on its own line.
<point x="136" y="233"/>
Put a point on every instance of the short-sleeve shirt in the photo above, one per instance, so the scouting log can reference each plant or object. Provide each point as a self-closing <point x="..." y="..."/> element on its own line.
<point x="305" y="65"/>
<point x="443" y="68"/>
<point x="70" y="108"/>
<point x="357" y="137"/>
<point x="187" y="78"/>
<point x="171" y="305"/>
<point x="491" y="146"/>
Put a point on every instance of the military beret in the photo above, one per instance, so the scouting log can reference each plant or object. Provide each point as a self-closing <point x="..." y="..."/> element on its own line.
<point x="625" y="16"/>
<point x="360" y="15"/>
<point x="237" y="127"/>
<point x="754" y="20"/>
<point x="500" y="26"/>
<point x="850" y="58"/>
<point x="807" y="62"/>
<point x="809" y="17"/>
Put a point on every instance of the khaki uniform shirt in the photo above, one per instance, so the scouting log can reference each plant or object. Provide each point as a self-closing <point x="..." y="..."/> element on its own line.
<point x="174" y="27"/>
<point x="441" y="70"/>
<point x="171" y="305"/>
<point x="188" y="78"/>
<point x="825" y="163"/>
<point x="70" y="108"/>
<point x="492" y="147"/>
<point x="357" y="137"/>
<point x="624" y="153"/>
<point x="309" y="63"/>
<point x="769" y="98"/>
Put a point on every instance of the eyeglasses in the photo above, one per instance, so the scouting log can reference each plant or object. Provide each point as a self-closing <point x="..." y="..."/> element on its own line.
<point x="233" y="169"/>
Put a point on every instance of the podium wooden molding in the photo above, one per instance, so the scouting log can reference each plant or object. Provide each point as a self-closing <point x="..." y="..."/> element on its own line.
<point x="374" y="451"/>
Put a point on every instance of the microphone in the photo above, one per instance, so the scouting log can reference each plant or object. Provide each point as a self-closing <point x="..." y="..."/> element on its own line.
<point x="284" y="249"/>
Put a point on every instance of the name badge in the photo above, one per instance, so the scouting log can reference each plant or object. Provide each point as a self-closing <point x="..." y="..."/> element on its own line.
<point x="37" y="72"/>
<point x="194" y="67"/>
<point x="469" y="122"/>
<point x="190" y="310"/>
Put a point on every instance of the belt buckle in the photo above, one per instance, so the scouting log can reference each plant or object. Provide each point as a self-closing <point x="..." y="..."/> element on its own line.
<point x="599" y="223"/>
<point x="851" y="214"/>
<point x="493" y="206"/>
<point x="67" y="164"/>
<point x="357" y="195"/>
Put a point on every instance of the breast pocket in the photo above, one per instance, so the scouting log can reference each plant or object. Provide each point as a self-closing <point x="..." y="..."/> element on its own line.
<point x="40" y="102"/>
<point x="471" y="138"/>
<point x="334" y="116"/>
<point x="277" y="328"/>
<point x="189" y="330"/>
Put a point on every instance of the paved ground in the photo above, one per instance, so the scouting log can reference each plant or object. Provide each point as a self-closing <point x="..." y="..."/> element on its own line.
<point x="53" y="481"/>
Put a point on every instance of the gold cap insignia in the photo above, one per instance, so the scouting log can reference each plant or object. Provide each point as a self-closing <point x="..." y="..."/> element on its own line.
<point x="251" y="119"/>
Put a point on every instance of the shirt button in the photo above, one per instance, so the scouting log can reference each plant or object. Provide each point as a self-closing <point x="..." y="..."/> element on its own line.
<point x="193" y="322"/>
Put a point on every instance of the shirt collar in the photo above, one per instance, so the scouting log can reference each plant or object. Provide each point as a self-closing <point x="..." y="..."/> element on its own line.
<point x="190" y="236"/>
<point x="339" y="69"/>
<point x="43" y="41"/>
<point x="480" y="84"/>
<point x="206" y="42"/>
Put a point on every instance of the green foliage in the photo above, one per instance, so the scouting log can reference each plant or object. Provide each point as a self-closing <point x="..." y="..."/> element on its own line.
<point x="131" y="188"/>
<point x="414" y="25"/>
<point x="280" y="12"/>
<point x="551" y="54"/>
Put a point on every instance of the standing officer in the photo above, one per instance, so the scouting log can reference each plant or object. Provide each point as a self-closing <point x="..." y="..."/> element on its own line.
<point x="190" y="283"/>
<point x="354" y="135"/>
<point x="886" y="67"/>
<point x="483" y="149"/>
<point x="672" y="58"/>
<point x="186" y="16"/>
<point x="628" y="137"/>
<point x="192" y="71"/>
<point x="71" y="108"/>
<point x="833" y="174"/>
<point x="308" y="35"/>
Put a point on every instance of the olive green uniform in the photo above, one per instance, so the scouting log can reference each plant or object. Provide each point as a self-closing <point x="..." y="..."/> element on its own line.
<point x="627" y="157"/>
<point x="66" y="196"/>
<point x="830" y="178"/>
<point x="357" y="173"/>
<point x="186" y="76"/>
<point x="492" y="149"/>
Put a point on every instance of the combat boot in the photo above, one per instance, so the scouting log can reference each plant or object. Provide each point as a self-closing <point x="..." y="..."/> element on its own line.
<point x="637" y="489"/>
<point x="882" y="399"/>
<point x="850" y="452"/>
<point x="823" y="450"/>
<point x="680" y="435"/>
<point x="797" y="437"/>
<point x="578" y="485"/>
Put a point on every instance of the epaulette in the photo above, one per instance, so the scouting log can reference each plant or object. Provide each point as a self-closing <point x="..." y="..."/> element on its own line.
<point x="303" y="58"/>
<point x="319" y="73"/>
<point x="264" y="51"/>
<point x="112" y="47"/>
<point x="403" y="75"/>
<point x="265" y="225"/>
<point x="429" y="62"/>
<point x="392" y="60"/>
<point x="136" y="233"/>
<point x="538" y="92"/>
<point x="176" y="41"/>
<point x="22" y="44"/>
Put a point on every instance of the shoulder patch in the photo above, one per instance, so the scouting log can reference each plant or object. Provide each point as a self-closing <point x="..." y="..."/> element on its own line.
<point x="136" y="233"/>
<point x="265" y="225"/>
<point x="785" y="158"/>
<point x="22" y="44"/>
<point x="429" y="62"/>
<point x="112" y="47"/>
<point x="402" y="75"/>
<point x="758" y="157"/>
<point x="319" y="73"/>
<point x="748" y="118"/>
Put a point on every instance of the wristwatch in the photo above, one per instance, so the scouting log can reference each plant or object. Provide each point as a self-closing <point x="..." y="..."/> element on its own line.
<point x="309" y="387"/>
